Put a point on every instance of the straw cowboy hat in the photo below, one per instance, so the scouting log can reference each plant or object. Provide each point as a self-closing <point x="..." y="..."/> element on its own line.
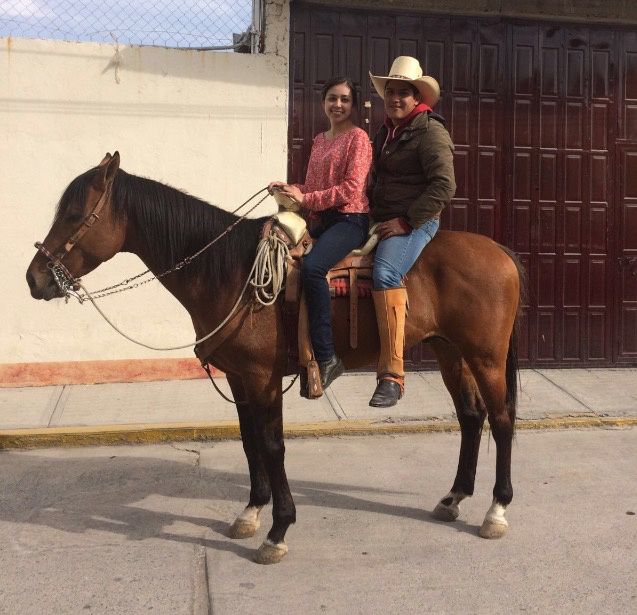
<point x="406" y="68"/>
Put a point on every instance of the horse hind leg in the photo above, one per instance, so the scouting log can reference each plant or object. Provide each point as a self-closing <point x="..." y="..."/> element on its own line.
<point x="491" y="379"/>
<point x="247" y="523"/>
<point x="471" y="413"/>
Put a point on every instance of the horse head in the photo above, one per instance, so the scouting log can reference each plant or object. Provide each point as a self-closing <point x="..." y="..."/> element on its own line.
<point x="85" y="232"/>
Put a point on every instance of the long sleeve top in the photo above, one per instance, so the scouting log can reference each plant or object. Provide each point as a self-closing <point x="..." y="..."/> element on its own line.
<point x="337" y="173"/>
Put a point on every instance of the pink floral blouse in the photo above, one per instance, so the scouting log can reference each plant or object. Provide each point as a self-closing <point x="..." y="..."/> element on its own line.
<point x="337" y="173"/>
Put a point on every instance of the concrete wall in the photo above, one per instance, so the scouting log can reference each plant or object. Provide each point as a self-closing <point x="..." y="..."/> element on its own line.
<point x="613" y="11"/>
<point x="211" y="123"/>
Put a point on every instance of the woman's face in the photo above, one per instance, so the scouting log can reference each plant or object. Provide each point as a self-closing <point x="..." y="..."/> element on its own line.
<point x="338" y="103"/>
<point x="400" y="100"/>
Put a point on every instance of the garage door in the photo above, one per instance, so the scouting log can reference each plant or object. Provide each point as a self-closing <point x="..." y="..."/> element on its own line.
<point x="544" y="120"/>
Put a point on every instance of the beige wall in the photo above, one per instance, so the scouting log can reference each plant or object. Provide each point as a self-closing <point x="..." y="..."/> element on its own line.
<point x="211" y="123"/>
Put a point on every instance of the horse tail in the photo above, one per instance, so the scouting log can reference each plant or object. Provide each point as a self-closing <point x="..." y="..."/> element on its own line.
<point x="512" y="368"/>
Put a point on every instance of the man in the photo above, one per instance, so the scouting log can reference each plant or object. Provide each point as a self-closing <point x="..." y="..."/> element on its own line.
<point x="412" y="180"/>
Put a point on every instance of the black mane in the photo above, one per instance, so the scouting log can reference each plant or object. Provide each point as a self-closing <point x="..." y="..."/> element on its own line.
<point x="173" y="225"/>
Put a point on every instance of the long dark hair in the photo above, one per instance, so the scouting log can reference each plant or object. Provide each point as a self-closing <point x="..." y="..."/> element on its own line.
<point x="337" y="81"/>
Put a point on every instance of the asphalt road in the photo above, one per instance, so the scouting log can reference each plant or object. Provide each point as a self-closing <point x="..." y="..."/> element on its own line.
<point x="142" y="529"/>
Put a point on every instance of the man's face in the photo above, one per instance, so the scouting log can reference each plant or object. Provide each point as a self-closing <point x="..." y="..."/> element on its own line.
<point x="400" y="100"/>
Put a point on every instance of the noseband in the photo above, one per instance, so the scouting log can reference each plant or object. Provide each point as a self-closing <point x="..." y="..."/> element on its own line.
<point x="62" y="276"/>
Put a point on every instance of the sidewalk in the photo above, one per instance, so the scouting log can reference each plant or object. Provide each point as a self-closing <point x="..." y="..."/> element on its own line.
<point x="192" y="409"/>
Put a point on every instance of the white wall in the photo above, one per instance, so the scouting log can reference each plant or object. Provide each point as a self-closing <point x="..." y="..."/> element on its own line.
<point x="211" y="123"/>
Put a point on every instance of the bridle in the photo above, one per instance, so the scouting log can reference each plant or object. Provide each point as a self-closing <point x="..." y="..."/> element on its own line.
<point x="61" y="275"/>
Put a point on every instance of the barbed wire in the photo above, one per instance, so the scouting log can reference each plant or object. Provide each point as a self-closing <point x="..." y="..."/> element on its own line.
<point x="163" y="23"/>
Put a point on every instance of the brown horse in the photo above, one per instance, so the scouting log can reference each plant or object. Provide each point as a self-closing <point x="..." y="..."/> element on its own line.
<point x="464" y="295"/>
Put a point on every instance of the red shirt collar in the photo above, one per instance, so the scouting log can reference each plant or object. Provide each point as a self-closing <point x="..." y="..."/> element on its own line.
<point x="394" y="131"/>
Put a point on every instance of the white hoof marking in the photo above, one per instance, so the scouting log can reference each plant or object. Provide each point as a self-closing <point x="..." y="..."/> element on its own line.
<point x="494" y="525"/>
<point x="246" y="524"/>
<point x="270" y="553"/>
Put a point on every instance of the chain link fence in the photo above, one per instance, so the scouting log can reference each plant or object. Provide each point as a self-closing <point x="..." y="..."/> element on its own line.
<point x="164" y="23"/>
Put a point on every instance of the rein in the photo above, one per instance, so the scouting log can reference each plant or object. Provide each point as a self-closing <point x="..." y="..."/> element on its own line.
<point x="69" y="285"/>
<point x="267" y="276"/>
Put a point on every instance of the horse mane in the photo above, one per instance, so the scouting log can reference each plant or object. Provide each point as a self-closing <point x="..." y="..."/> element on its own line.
<point x="174" y="225"/>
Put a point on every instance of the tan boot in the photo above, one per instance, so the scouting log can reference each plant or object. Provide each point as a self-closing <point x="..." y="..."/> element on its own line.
<point x="391" y="310"/>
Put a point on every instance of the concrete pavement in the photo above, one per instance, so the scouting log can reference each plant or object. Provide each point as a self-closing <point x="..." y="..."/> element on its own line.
<point x="138" y="529"/>
<point x="192" y="409"/>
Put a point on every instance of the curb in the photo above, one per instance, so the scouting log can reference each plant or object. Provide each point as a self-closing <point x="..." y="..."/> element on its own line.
<point x="108" y="435"/>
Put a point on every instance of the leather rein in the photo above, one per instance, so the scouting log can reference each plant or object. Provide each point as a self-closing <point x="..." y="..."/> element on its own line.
<point x="69" y="285"/>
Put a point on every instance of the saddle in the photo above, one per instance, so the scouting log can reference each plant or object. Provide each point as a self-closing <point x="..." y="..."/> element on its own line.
<point x="350" y="278"/>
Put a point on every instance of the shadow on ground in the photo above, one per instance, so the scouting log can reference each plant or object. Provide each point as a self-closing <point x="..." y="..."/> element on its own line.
<point x="141" y="497"/>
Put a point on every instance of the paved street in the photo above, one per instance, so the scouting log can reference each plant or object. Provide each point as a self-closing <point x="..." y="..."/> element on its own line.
<point x="142" y="529"/>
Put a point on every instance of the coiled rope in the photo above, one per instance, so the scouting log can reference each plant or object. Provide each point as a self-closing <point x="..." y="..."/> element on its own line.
<point x="268" y="272"/>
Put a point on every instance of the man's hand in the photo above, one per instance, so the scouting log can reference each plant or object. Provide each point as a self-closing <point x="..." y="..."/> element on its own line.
<point x="392" y="228"/>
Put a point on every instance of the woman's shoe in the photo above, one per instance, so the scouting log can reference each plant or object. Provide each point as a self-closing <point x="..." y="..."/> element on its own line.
<point x="387" y="394"/>
<point x="330" y="370"/>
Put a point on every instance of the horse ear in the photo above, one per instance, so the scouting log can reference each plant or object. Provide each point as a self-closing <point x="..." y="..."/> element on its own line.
<point x="106" y="171"/>
<point x="113" y="167"/>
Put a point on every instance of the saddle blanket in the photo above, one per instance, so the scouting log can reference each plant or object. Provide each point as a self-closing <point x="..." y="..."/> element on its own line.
<point x="340" y="287"/>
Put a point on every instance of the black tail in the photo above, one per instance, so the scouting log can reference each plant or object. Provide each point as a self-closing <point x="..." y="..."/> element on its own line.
<point x="512" y="369"/>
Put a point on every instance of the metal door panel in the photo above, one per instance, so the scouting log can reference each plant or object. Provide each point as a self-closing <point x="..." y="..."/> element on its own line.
<point x="627" y="259"/>
<point x="535" y="111"/>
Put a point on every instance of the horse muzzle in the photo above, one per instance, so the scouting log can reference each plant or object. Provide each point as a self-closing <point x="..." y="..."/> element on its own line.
<point x="42" y="285"/>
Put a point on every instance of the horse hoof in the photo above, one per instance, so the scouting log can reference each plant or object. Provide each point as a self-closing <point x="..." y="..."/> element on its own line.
<point x="270" y="553"/>
<point x="446" y="513"/>
<point x="494" y="525"/>
<point x="243" y="529"/>
<point x="490" y="529"/>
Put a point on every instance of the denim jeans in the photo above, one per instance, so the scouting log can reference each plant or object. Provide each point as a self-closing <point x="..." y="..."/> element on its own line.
<point x="337" y="235"/>
<point x="396" y="255"/>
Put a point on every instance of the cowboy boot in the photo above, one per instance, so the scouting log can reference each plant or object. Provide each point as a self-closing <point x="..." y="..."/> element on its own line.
<point x="391" y="308"/>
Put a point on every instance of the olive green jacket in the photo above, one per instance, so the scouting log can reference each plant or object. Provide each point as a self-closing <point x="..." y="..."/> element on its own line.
<point x="413" y="176"/>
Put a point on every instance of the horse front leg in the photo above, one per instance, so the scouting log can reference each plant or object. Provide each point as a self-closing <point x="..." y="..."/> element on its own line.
<point x="471" y="413"/>
<point x="247" y="523"/>
<point x="268" y="421"/>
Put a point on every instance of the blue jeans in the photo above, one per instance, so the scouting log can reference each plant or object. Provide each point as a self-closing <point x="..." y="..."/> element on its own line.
<point x="337" y="236"/>
<point x="396" y="255"/>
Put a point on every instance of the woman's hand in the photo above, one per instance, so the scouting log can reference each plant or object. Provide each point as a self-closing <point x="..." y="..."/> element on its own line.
<point x="293" y="192"/>
<point x="392" y="228"/>
<point x="272" y="186"/>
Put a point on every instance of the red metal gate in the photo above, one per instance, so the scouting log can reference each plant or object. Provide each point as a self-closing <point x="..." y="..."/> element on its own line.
<point x="544" y="120"/>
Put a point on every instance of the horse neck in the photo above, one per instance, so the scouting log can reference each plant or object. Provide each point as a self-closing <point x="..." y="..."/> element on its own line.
<point x="202" y="296"/>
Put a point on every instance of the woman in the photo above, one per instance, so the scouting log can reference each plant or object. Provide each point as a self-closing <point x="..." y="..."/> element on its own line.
<point x="334" y="195"/>
<point x="411" y="182"/>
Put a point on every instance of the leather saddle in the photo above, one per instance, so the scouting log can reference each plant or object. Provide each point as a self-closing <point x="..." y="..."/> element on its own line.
<point x="351" y="278"/>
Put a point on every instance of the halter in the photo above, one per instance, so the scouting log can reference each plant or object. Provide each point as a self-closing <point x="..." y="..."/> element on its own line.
<point x="63" y="278"/>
